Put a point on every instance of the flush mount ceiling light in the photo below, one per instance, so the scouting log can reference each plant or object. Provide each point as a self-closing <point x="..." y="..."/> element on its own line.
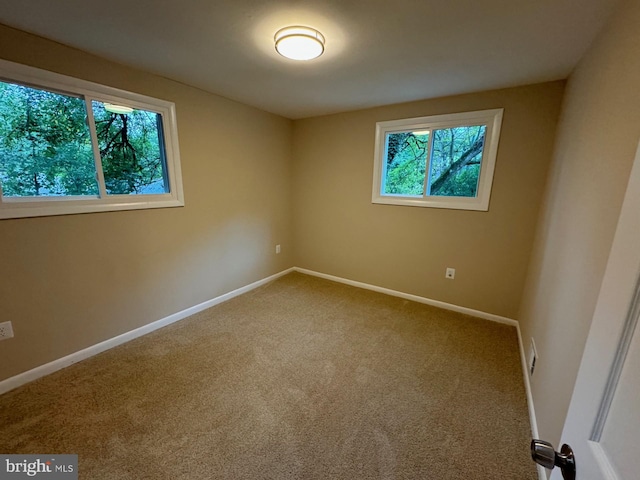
<point x="299" y="43"/>
<point x="110" y="107"/>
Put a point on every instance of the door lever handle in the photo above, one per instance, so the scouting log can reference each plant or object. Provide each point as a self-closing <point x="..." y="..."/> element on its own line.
<point x="544" y="454"/>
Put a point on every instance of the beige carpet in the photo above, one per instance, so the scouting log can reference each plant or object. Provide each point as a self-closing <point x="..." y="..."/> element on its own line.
<point x="299" y="379"/>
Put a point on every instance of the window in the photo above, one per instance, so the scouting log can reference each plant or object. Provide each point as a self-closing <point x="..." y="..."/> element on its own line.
<point x="70" y="146"/>
<point x="443" y="161"/>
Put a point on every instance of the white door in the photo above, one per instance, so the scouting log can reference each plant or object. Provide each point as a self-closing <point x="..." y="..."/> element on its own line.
<point x="603" y="422"/>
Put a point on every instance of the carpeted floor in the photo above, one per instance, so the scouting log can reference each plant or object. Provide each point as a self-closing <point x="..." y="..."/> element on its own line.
<point x="300" y="379"/>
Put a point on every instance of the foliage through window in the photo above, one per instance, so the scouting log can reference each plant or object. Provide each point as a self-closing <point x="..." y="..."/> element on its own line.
<point x="45" y="144"/>
<point x="132" y="151"/>
<point x="69" y="146"/>
<point x="444" y="161"/>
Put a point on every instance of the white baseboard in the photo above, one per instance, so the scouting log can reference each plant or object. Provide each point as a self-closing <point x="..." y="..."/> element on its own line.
<point x="542" y="473"/>
<point x="41" y="371"/>
<point x="469" y="311"/>
<point x="414" y="298"/>
<point x="54" y="366"/>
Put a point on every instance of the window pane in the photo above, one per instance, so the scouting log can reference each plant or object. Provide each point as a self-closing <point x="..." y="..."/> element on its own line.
<point x="405" y="163"/>
<point x="455" y="163"/>
<point x="132" y="150"/>
<point x="45" y="145"/>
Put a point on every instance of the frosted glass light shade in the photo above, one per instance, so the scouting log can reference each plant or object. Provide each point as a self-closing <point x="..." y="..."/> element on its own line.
<point x="299" y="43"/>
<point x="110" y="107"/>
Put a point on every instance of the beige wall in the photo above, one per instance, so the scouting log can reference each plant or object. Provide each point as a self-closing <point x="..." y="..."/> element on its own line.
<point x="69" y="282"/>
<point x="72" y="281"/>
<point x="597" y="139"/>
<point x="337" y="230"/>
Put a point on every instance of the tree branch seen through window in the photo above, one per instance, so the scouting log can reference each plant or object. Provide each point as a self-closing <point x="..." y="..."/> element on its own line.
<point x="442" y="161"/>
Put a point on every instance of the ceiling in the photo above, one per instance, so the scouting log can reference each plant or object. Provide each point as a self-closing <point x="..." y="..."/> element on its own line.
<point x="377" y="52"/>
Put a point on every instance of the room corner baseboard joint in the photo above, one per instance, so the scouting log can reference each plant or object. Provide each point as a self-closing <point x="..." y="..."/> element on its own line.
<point x="60" y="363"/>
<point x="456" y="308"/>
<point x="51" y="367"/>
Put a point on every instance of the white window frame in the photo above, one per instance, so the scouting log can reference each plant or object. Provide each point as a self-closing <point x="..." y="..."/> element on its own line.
<point x="492" y="119"/>
<point x="21" y="207"/>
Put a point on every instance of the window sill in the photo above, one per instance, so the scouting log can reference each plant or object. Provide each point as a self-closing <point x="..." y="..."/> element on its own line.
<point x="70" y="206"/>
<point x="461" y="203"/>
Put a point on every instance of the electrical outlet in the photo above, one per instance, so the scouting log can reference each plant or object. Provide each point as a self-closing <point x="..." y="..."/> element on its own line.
<point x="277" y="249"/>
<point x="533" y="357"/>
<point x="450" y="274"/>
<point x="6" y="330"/>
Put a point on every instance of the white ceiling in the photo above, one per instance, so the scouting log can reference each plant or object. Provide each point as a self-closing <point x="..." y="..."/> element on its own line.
<point x="377" y="51"/>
